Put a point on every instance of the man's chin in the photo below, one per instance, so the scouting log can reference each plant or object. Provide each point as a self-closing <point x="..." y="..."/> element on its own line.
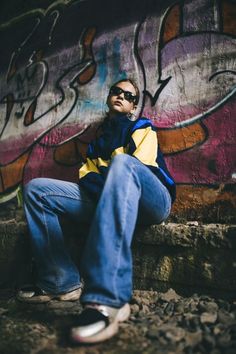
<point x="118" y="110"/>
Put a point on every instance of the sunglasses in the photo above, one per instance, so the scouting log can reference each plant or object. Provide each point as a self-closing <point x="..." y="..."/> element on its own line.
<point x="129" y="96"/>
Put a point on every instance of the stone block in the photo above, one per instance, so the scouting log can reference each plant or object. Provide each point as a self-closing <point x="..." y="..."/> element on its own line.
<point x="187" y="257"/>
<point x="14" y="252"/>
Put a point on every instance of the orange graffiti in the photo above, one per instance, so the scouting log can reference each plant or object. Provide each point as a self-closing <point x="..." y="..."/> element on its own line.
<point x="86" y="75"/>
<point x="204" y="202"/>
<point x="177" y="140"/>
<point x="171" y="27"/>
<point x="71" y="153"/>
<point x="12" y="174"/>
<point x="229" y="17"/>
<point x="29" y="115"/>
<point x="87" y="40"/>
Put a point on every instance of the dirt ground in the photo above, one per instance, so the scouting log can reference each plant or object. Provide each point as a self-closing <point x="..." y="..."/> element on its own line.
<point x="163" y="323"/>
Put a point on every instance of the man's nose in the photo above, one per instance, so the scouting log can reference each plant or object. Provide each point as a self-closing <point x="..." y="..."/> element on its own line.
<point x="121" y="95"/>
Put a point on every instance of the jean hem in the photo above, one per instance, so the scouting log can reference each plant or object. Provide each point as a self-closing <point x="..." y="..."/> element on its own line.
<point x="58" y="290"/>
<point x="102" y="301"/>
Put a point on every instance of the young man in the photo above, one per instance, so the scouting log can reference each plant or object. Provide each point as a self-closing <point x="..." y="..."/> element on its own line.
<point x="124" y="181"/>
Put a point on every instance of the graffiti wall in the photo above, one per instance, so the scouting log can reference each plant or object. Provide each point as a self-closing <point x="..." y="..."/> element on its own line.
<point x="57" y="64"/>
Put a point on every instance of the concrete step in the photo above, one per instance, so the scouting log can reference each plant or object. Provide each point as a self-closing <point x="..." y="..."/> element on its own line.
<point x="190" y="257"/>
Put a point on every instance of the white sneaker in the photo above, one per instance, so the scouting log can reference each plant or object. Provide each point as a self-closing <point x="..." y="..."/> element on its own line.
<point x="33" y="294"/>
<point x="97" y="323"/>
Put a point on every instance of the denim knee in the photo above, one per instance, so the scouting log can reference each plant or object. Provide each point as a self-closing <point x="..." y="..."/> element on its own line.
<point x="33" y="187"/>
<point x="122" y="161"/>
<point x="122" y="164"/>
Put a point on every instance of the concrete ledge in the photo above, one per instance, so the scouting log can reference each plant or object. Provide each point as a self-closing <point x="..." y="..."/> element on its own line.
<point x="190" y="234"/>
<point x="14" y="252"/>
<point x="186" y="257"/>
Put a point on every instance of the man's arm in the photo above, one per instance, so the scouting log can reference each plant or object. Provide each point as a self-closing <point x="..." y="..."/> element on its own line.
<point x="144" y="145"/>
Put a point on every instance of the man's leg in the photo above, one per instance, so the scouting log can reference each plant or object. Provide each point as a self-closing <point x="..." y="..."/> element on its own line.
<point x="44" y="201"/>
<point x="131" y="189"/>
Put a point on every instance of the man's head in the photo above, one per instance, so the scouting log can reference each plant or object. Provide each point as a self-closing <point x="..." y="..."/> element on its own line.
<point x="123" y="97"/>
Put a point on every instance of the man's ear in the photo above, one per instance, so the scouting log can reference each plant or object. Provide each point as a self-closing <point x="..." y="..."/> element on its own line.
<point x="133" y="110"/>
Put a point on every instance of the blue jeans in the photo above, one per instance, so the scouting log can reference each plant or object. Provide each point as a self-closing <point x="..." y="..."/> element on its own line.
<point x="131" y="194"/>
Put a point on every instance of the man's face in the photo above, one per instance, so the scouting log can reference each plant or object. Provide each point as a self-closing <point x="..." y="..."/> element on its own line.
<point x="120" y="102"/>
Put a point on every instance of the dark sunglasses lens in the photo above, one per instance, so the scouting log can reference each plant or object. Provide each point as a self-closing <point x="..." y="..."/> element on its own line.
<point x="128" y="95"/>
<point x="115" y="91"/>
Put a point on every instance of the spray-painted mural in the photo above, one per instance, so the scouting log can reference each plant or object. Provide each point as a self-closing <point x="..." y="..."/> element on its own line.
<point x="58" y="64"/>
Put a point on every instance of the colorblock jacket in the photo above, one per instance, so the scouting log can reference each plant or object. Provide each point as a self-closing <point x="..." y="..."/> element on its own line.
<point x="121" y="136"/>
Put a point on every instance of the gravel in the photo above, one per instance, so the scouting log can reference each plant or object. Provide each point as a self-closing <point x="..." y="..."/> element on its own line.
<point x="159" y="323"/>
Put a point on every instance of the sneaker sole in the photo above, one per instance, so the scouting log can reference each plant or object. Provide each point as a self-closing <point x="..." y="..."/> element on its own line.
<point x="40" y="299"/>
<point x="73" y="296"/>
<point x="108" y="332"/>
